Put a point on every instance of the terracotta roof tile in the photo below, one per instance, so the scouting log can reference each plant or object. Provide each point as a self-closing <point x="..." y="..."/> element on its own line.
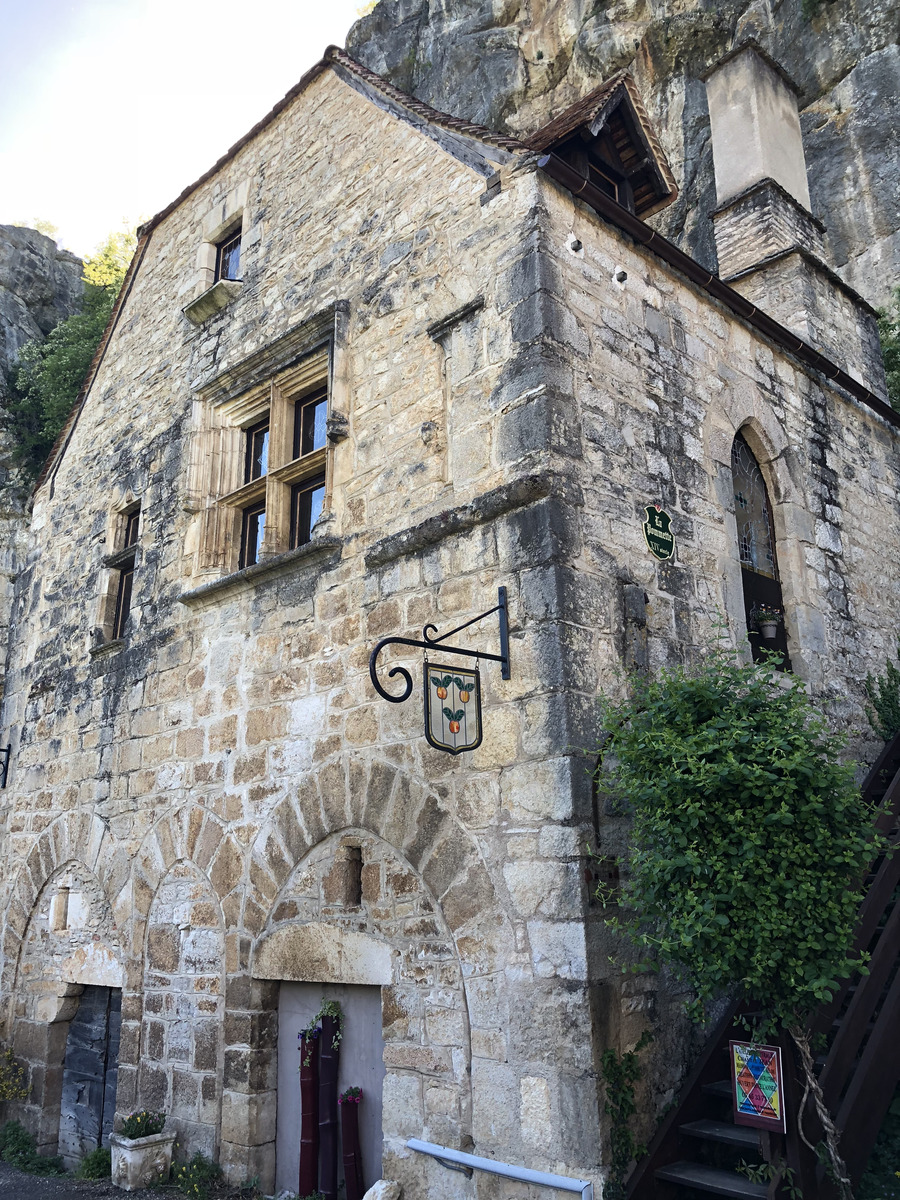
<point x="589" y="107"/>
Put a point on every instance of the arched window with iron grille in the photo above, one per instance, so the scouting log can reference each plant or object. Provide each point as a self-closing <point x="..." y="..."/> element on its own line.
<point x="757" y="553"/>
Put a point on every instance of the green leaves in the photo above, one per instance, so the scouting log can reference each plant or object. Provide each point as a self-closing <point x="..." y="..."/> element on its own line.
<point x="749" y="836"/>
<point x="48" y="376"/>
<point x="889" y="329"/>
<point x="884" y="696"/>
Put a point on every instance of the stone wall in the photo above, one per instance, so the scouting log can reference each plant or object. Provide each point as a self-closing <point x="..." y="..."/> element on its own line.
<point x="514" y="66"/>
<point x="219" y="767"/>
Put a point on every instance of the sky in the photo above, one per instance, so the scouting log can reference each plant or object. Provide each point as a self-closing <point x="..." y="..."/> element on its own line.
<point x="110" y="108"/>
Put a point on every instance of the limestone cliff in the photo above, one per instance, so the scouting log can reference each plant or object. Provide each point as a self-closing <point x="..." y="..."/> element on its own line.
<point x="40" y="285"/>
<point x="513" y="64"/>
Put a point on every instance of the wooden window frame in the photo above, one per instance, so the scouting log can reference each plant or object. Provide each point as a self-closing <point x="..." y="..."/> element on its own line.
<point x="118" y="591"/>
<point x="234" y="494"/>
<point x="248" y="517"/>
<point x="251" y="458"/>
<point x="302" y="526"/>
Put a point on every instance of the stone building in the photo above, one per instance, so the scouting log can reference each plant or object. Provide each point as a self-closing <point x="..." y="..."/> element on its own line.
<point x="374" y="365"/>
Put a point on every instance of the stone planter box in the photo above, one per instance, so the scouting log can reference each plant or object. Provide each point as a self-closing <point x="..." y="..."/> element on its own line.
<point x="139" y="1162"/>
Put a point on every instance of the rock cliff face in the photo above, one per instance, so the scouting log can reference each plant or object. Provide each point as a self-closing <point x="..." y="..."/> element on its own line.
<point x="514" y="64"/>
<point x="40" y="285"/>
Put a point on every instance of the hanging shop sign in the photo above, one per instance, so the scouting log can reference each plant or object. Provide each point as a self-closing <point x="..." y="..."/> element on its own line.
<point x="657" y="532"/>
<point x="452" y="694"/>
<point x="452" y="708"/>
<point x="757" y="1086"/>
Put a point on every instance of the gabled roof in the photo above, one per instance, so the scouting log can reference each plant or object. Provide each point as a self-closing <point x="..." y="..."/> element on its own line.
<point x="336" y="59"/>
<point x="635" y="137"/>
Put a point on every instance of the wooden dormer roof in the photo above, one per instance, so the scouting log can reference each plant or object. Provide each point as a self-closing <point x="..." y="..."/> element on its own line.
<point x="615" y="109"/>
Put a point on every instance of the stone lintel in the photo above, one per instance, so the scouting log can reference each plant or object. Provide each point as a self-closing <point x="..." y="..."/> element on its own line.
<point x="323" y="953"/>
<point x="275" y="357"/>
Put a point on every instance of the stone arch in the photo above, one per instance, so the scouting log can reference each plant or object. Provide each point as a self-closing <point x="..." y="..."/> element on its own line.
<point x="70" y="943"/>
<point x="746" y="411"/>
<point x="386" y="800"/>
<point x="183" y="1002"/>
<point x="390" y="933"/>
<point x="80" y="838"/>
<point x="352" y="800"/>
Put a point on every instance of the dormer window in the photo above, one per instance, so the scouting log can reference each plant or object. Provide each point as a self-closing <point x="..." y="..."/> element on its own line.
<point x="607" y="138"/>
<point x="228" y="257"/>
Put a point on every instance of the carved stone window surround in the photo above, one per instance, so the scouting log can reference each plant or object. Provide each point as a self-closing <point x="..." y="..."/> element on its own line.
<point x="265" y="386"/>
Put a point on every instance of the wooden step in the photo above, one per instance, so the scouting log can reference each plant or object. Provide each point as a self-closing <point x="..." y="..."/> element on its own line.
<point x="711" y="1179"/>
<point x="721" y="1089"/>
<point x="720" y="1131"/>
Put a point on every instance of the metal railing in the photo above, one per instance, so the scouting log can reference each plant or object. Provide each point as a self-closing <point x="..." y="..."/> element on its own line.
<point x="457" y="1160"/>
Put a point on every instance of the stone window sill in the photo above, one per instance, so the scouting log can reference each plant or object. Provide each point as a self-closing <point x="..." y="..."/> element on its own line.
<point x="281" y="564"/>
<point x="213" y="300"/>
<point x="107" y="647"/>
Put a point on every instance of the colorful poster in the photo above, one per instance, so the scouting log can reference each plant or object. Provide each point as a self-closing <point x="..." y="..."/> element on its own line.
<point x="757" y="1085"/>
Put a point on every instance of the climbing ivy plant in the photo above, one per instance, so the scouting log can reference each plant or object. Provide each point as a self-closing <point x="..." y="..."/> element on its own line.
<point x="749" y="837"/>
<point x="883" y="692"/>
<point x="620" y="1074"/>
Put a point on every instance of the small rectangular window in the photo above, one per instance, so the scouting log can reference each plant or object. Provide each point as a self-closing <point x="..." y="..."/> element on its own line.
<point x="307" y="499"/>
<point x="256" y="463"/>
<point x="253" y="528"/>
<point x="309" y="423"/>
<point x="228" y="257"/>
<point x="132" y="525"/>
<point x="123" y="601"/>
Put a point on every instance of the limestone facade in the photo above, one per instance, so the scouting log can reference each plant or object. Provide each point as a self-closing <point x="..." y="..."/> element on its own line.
<point x="222" y="786"/>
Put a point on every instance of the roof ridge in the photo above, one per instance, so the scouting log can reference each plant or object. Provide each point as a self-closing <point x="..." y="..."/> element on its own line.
<point x="433" y="115"/>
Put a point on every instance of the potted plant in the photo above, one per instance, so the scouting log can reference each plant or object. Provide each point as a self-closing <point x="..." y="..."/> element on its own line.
<point x="141" y="1152"/>
<point x="767" y="620"/>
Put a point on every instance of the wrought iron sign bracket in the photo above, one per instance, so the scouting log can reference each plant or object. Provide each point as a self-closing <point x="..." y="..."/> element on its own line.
<point x="429" y="642"/>
<point x="5" y="752"/>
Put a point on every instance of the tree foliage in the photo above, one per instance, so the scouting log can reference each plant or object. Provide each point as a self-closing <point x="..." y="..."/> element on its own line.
<point x="749" y="836"/>
<point x="48" y="376"/>
<point x="889" y="328"/>
<point x="884" y="697"/>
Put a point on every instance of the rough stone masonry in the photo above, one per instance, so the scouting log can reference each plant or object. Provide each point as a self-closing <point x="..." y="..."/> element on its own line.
<point x="220" y="789"/>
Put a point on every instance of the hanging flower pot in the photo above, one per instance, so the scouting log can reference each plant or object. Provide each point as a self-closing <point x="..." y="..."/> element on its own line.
<point x="767" y="621"/>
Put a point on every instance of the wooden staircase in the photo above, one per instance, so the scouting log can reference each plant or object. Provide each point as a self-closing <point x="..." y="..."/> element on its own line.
<point x="698" y="1148"/>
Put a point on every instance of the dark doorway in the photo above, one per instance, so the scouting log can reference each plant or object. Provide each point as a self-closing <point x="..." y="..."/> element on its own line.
<point x="89" y="1073"/>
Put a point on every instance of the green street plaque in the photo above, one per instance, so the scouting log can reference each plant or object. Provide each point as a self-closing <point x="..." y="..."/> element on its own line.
<point x="657" y="533"/>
